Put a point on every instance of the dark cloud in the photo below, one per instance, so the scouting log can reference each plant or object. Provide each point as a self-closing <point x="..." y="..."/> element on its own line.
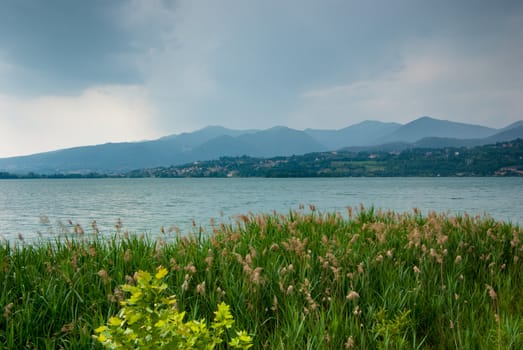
<point x="62" y="46"/>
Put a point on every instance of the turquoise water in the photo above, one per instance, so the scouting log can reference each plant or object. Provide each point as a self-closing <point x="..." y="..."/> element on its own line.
<point x="42" y="207"/>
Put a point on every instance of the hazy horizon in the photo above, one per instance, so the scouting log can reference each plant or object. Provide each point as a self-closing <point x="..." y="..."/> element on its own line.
<point x="233" y="128"/>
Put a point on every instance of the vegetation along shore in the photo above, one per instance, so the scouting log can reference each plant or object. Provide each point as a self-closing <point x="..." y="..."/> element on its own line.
<point x="499" y="159"/>
<point x="366" y="279"/>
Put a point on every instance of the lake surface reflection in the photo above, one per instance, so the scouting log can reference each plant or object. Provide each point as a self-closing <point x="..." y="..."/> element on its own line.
<point x="41" y="207"/>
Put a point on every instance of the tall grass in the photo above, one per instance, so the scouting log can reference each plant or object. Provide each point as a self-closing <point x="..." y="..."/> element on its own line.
<point x="304" y="280"/>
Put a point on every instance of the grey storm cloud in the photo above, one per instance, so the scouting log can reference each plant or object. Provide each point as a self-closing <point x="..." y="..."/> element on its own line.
<point x="322" y="64"/>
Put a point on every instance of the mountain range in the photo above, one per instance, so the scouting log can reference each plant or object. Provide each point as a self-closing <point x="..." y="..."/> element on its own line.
<point x="213" y="142"/>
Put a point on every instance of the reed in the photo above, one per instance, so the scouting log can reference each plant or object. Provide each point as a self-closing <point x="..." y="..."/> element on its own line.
<point x="305" y="280"/>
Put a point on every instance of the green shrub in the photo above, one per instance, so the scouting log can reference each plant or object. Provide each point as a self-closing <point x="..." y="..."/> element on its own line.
<point x="391" y="334"/>
<point x="150" y="320"/>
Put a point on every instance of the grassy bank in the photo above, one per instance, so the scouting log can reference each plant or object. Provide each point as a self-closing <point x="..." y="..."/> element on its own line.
<point x="301" y="280"/>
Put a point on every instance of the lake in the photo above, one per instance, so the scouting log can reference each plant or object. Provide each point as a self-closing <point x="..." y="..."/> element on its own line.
<point x="36" y="208"/>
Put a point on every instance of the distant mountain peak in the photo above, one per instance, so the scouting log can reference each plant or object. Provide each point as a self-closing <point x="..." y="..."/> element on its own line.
<point x="514" y="125"/>
<point x="428" y="120"/>
<point x="430" y="127"/>
<point x="280" y="127"/>
<point x="428" y="117"/>
<point x="213" y="128"/>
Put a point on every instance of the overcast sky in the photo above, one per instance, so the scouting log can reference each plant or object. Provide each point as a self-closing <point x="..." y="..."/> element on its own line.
<point x="86" y="72"/>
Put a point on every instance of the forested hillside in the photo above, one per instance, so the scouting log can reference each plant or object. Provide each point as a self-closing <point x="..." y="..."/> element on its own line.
<point x="500" y="159"/>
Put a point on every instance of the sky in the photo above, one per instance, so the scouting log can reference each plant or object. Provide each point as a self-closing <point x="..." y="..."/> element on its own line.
<point x="75" y="72"/>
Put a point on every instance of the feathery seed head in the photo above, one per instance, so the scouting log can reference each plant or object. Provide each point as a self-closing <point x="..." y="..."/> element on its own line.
<point x="7" y="310"/>
<point x="200" y="288"/>
<point x="349" y="344"/>
<point x="353" y="295"/>
<point x="491" y="292"/>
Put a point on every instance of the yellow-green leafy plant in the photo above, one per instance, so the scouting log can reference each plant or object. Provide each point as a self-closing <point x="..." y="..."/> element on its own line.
<point x="390" y="334"/>
<point x="149" y="319"/>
